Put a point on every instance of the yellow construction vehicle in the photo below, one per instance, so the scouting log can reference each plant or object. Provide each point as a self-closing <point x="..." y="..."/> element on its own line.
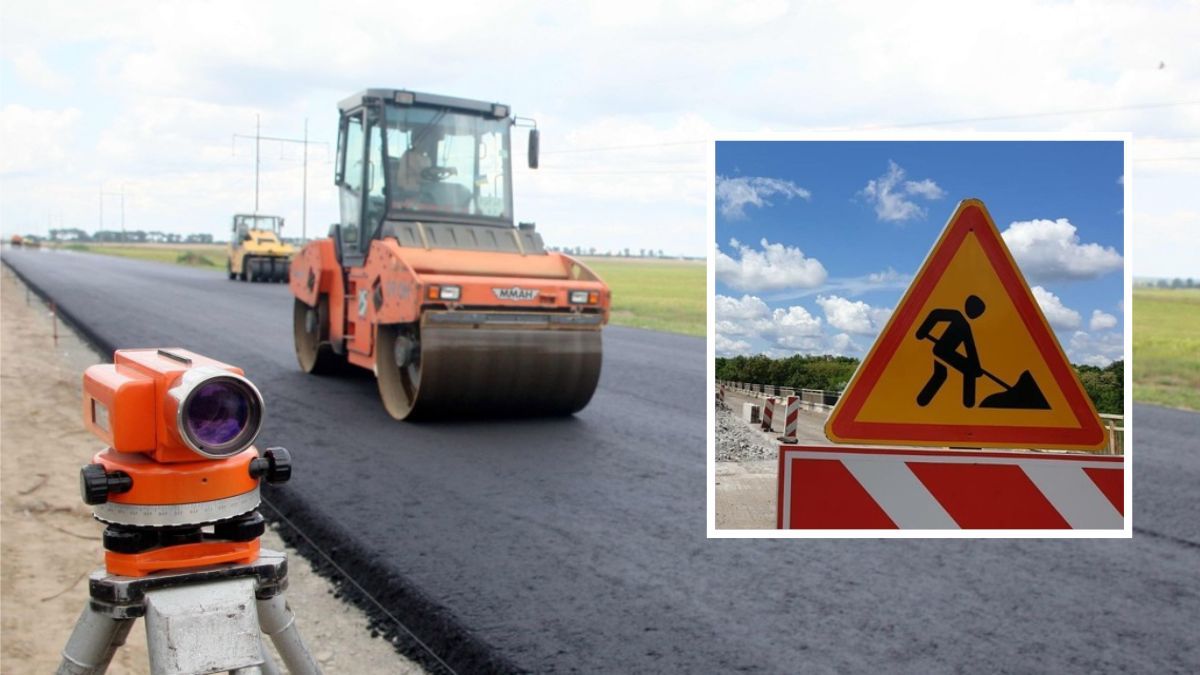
<point x="256" y="252"/>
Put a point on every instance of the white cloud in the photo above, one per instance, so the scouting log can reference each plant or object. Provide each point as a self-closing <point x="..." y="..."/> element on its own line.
<point x="853" y="316"/>
<point x="746" y="317"/>
<point x="748" y="307"/>
<point x="738" y="66"/>
<point x="1058" y="314"/>
<point x="926" y="189"/>
<point x="1049" y="250"/>
<point x="31" y="67"/>
<point x="749" y="317"/>
<point x="843" y="345"/>
<point x="735" y="194"/>
<point x="795" y="322"/>
<point x="1165" y="243"/>
<point x="890" y="193"/>
<point x="728" y="347"/>
<point x="888" y="276"/>
<point x="34" y="140"/>
<point x="774" y="267"/>
<point x="1098" y="349"/>
<point x="1102" y="320"/>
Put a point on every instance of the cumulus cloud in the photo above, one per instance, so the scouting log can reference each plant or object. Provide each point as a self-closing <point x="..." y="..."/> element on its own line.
<point x="1102" y="320"/>
<point x="890" y="194"/>
<point x="1098" y="349"/>
<point x="1058" y="314"/>
<point x="735" y="194"/>
<point x="1050" y="250"/>
<point x="773" y="267"/>
<point x="795" y="322"/>
<point x="738" y="319"/>
<point x="729" y="347"/>
<point x="842" y="345"/>
<point x="34" y="139"/>
<point x="33" y="69"/>
<point x="853" y="316"/>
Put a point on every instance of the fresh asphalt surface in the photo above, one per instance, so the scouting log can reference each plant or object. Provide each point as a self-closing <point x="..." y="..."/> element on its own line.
<point x="579" y="544"/>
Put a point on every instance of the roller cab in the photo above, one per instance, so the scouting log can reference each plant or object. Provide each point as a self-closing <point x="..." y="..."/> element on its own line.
<point x="428" y="282"/>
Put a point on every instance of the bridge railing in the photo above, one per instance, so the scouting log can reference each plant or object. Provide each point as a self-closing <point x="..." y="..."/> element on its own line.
<point x="1114" y="426"/>
<point x="821" y="400"/>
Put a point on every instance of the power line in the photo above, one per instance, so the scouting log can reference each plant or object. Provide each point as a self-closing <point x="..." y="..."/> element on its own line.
<point x="258" y="138"/>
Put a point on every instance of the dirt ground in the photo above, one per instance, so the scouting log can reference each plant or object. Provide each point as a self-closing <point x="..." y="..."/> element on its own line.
<point x="48" y="539"/>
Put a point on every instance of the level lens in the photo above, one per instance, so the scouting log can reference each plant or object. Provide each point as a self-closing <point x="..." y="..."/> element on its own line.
<point x="220" y="415"/>
<point x="217" y="413"/>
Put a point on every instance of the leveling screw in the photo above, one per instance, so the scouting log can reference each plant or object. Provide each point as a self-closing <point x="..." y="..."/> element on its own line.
<point x="96" y="484"/>
<point x="275" y="465"/>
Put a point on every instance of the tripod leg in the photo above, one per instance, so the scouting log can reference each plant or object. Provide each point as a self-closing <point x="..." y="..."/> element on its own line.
<point x="93" y="643"/>
<point x="268" y="666"/>
<point x="278" y="622"/>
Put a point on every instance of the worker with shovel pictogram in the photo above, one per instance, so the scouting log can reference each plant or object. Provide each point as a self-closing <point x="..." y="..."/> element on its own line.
<point x="1025" y="394"/>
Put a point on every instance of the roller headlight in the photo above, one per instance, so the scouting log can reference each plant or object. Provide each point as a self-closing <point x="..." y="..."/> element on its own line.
<point x="584" y="297"/>
<point x="449" y="293"/>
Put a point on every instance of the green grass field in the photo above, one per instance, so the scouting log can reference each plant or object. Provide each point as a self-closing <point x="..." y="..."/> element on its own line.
<point x="667" y="295"/>
<point x="210" y="256"/>
<point x="1166" y="347"/>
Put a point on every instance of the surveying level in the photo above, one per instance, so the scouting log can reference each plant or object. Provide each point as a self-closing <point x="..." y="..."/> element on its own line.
<point x="178" y="488"/>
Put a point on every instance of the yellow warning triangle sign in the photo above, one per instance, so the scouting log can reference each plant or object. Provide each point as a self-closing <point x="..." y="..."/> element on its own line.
<point x="967" y="358"/>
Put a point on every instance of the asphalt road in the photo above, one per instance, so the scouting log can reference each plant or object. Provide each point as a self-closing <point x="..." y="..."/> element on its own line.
<point x="579" y="544"/>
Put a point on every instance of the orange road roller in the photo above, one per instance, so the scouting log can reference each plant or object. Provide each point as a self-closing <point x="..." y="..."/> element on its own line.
<point x="427" y="280"/>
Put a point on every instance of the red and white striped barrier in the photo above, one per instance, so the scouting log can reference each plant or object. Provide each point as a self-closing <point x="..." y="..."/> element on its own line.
<point x="873" y="488"/>
<point x="768" y="414"/>
<point x="791" y="419"/>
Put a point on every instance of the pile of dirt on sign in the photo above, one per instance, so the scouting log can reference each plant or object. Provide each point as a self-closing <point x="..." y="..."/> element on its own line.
<point x="737" y="441"/>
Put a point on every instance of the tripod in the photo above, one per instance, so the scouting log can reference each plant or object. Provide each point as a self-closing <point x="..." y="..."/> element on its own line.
<point x="198" y="620"/>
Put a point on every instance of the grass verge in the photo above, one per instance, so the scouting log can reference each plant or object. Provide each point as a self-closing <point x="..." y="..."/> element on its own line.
<point x="211" y="256"/>
<point x="1166" y="347"/>
<point x="666" y="295"/>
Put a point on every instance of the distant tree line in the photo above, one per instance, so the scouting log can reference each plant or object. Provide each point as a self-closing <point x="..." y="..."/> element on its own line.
<point x="75" y="234"/>
<point x="1105" y="386"/>
<point x="620" y="253"/>
<point x="831" y="373"/>
<point x="1168" y="283"/>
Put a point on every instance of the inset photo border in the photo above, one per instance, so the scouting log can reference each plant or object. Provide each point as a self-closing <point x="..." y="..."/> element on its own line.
<point x="920" y="335"/>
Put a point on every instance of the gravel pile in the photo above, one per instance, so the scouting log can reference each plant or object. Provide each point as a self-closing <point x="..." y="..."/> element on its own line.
<point x="736" y="441"/>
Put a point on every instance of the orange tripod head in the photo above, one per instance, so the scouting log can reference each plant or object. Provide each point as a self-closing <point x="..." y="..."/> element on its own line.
<point x="181" y="429"/>
<point x="171" y="404"/>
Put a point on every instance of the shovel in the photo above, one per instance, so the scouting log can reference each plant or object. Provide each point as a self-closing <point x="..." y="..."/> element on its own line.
<point x="1024" y="395"/>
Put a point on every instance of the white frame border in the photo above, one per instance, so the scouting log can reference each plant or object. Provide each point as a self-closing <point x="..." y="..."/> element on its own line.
<point x="1125" y="138"/>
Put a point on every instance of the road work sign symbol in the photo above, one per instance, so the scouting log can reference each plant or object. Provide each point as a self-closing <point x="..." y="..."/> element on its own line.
<point x="967" y="358"/>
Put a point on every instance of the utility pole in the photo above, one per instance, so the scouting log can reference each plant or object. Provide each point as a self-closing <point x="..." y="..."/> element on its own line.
<point x="257" y="140"/>
<point x="304" y="142"/>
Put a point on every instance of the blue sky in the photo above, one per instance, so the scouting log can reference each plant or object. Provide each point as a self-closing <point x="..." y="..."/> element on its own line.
<point x="847" y="223"/>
